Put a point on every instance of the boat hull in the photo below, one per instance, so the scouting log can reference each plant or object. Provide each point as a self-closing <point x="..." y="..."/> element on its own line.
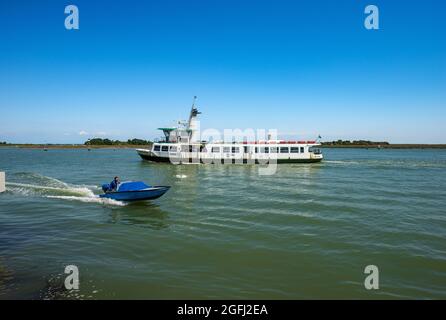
<point x="224" y="161"/>
<point x="150" y="194"/>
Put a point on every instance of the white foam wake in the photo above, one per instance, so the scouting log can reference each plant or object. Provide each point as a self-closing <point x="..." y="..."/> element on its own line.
<point x="94" y="199"/>
<point x="62" y="191"/>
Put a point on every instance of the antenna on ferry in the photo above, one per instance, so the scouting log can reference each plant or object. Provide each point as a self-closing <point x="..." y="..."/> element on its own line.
<point x="192" y="124"/>
<point x="193" y="111"/>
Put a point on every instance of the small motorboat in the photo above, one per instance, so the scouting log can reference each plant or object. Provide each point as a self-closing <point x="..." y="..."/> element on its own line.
<point x="134" y="190"/>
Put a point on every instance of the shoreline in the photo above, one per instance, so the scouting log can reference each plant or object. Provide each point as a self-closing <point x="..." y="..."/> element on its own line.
<point x="388" y="146"/>
<point x="129" y="146"/>
<point x="71" y="146"/>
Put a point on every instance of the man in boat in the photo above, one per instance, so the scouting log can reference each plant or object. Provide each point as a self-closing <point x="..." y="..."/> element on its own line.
<point x="114" y="185"/>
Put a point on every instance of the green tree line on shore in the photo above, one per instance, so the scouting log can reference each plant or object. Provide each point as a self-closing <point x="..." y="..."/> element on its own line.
<point x="108" y="142"/>
<point x="354" y="143"/>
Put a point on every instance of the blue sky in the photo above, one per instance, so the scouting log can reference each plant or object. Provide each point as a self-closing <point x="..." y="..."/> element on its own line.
<point x="302" y="67"/>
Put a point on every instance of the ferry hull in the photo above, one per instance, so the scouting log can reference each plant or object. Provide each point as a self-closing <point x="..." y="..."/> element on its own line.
<point x="224" y="161"/>
<point x="153" y="159"/>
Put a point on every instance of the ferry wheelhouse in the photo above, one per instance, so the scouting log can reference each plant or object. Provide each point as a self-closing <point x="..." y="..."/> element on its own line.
<point x="181" y="146"/>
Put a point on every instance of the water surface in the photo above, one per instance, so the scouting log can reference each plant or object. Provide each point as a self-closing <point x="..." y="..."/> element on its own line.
<point x="224" y="231"/>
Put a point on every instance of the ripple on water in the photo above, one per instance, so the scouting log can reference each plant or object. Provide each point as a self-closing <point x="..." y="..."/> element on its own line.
<point x="306" y="231"/>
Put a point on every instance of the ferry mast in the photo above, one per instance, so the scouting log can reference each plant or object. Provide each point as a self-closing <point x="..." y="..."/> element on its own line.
<point x="193" y="125"/>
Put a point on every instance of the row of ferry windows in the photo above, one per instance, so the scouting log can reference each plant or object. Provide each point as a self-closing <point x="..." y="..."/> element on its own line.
<point x="232" y="149"/>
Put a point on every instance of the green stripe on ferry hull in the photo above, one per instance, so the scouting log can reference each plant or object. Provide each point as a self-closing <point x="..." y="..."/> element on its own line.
<point x="154" y="159"/>
<point x="298" y="160"/>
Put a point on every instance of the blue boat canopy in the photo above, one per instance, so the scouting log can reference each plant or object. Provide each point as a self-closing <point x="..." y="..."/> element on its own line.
<point x="132" y="186"/>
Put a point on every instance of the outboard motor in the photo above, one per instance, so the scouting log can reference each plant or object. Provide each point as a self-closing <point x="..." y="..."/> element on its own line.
<point x="105" y="187"/>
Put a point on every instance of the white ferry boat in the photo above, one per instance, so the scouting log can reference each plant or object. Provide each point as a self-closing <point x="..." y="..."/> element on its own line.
<point x="180" y="146"/>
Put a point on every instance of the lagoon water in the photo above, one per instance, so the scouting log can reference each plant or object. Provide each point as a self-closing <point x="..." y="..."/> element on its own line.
<point x="224" y="231"/>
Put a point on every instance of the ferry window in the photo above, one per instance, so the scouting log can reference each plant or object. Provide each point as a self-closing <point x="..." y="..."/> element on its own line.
<point x="294" y="149"/>
<point x="235" y="150"/>
<point x="215" y="149"/>
<point x="246" y="149"/>
<point x="226" y="149"/>
<point x="256" y="150"/>
<point x="184" y="148"/>
<point x="266" y="150"/>
<point x="165" y="148"/>
<point x="302" y="150"/>
<point x="173" y="149"/>
<point x="273" y="149"/>
<point x="284" y="150"/>
<point x="156" y="148"/>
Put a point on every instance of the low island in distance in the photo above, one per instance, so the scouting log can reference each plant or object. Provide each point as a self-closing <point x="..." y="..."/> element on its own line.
<point x="100" y="143"/>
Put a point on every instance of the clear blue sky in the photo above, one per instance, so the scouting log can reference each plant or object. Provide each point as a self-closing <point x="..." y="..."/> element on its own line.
<point x="302" y="67"/>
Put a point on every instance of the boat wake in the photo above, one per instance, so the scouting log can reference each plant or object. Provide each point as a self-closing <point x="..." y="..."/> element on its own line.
<point x="341" y="162"/>
<point x="47" y="187"/>
<point x="94" y="199"/>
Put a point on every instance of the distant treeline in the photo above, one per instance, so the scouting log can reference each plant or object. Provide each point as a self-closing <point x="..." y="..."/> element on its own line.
<point x="355" y="143"/>
<point x="108" y="142"/>
<point x="3" y="142"/>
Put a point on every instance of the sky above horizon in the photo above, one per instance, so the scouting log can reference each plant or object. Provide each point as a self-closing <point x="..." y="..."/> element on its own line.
<point x="302" y="67"/>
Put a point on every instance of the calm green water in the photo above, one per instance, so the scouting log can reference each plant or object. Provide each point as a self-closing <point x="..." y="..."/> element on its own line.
<point x="223" y="231"/>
